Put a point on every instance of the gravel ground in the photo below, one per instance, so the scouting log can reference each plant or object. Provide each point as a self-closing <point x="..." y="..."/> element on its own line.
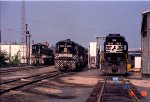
<point x="25" y="73"/>
<point x="141" y="83"/>
<point x="75" y="87"/>
<point x="72" y="87"/>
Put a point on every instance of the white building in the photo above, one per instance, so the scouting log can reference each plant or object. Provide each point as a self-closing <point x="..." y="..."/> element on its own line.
<point x="134" y="58"/>
<point x="92" y="55"/>
<point x="15" y="49"/>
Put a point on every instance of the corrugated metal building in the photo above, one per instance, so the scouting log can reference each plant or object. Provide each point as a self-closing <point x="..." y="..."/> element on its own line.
<point x="145" y="42"/>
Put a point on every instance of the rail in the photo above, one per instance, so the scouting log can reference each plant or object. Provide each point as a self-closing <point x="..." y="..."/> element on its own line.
<point x="17" y="79"/>
<point x="38" y="79"/>
<point x="129" y="90"/>
<point x="102" y="90"/>
<point x="6" y="71"/>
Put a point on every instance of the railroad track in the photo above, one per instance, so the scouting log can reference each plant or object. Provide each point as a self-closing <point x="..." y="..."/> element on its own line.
<point x="21" y="82"/>
<point x="6" y="71"/>
<point x="17" y="79"/>
<point x="114" y="89"/>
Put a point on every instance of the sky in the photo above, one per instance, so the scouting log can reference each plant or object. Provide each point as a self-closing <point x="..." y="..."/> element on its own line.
<point x="80" y="21"/>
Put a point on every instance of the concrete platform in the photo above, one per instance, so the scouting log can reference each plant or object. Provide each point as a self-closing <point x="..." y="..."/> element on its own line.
<point x="135" y="69"/>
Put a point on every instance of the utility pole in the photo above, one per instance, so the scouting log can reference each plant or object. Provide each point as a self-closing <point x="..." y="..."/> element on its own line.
<point x="29" y="46"/>
<point x="98" y="51"/>
<point x="28" y="35"/>
<point x="26" y="38"/>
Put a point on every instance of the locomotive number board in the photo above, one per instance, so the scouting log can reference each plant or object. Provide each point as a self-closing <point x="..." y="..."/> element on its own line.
<point x="114" y="48"/>
<point x="65" y="55"/>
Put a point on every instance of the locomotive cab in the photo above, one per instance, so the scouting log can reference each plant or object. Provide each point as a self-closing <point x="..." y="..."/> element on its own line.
<point x="41" y="54"/>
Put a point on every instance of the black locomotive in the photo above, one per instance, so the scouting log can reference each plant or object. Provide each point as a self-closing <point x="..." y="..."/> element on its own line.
<point x="70" y="55"/>
<point x="115" y="54"/>
<point x="42" y="55"/>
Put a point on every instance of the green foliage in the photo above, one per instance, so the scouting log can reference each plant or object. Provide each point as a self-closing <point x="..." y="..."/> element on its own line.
<point x="14" y="60"/>
<point x="3" y="58"/>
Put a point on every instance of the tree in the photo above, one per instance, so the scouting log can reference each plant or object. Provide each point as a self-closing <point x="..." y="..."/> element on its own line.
<point x="3" y="57"/>
<point x="15" y="61"/>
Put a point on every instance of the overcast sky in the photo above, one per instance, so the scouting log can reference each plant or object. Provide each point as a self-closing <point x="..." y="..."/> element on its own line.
<point x="80" y="21"/>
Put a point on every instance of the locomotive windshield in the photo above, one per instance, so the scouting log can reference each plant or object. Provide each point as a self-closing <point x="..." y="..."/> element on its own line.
<point x="40" y="49"/>
<point x="64" y="47"/>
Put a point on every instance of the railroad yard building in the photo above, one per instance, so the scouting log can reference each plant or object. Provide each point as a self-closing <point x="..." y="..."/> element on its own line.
<point x="134" y="59"/>
<point x="15" y="49"/>
<point x="145" y="42"/>
<point x="92" y="55"/>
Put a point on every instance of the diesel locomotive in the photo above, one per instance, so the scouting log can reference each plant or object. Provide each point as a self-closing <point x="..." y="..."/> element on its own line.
<point x="70" y="56"/>
<point x="115" y="54"/>
<point x="42" y="55"/>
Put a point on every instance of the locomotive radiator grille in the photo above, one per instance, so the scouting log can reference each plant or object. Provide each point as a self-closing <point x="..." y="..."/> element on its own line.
<point x="74" y="57"/>
<point x="65" y="64"/>
<point x="56" y="56"/>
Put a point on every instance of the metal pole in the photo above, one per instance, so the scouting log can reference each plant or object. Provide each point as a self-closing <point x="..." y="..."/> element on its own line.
<point x="0" y="29"/>
<point x="98" y="51"/>
<point x="0" y="38"/>
<point x="100" y="57"/>
<point x="89" y="57"/>
<point x="29" y="48"/>
<point x="26" y="45"/>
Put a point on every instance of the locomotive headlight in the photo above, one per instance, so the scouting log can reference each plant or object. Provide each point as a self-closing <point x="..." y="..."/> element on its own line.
<point x="114" y="40"/>
<point x="65" y="49"/>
